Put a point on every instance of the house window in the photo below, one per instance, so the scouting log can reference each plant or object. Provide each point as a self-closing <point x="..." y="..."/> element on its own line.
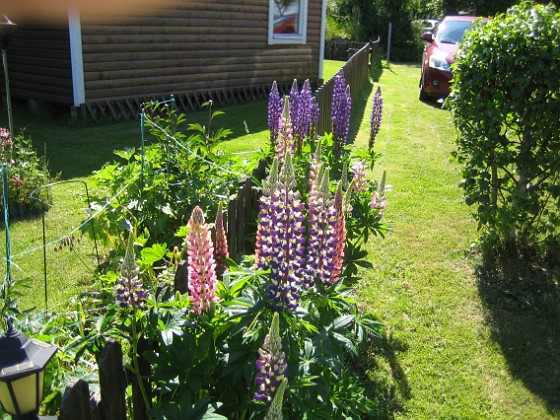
<point x="287" y="21"/>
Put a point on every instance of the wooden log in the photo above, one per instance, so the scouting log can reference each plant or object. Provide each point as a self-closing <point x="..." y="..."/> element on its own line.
<point x="57" y="73"/>
<point x="141" y="59"/>
<point x="182" y="73"/>
<point x="158" y="85"/>
<point x="34" y="94"/>
<point x="184" y="65"/>
<point x="203" y="43"/>
<point x="174" y="26"/>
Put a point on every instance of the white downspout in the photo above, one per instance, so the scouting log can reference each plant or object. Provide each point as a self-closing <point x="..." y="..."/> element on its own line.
<point x="76" y="58"/>
<point x="323" y="38"/>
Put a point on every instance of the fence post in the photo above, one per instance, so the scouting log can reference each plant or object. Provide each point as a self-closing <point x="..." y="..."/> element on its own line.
<point x="112" y="382"/>
<point x="389" y="35"/>
<point x="75" y="401"/>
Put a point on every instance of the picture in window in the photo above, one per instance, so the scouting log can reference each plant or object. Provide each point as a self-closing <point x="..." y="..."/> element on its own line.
<point x="286" y="16"/>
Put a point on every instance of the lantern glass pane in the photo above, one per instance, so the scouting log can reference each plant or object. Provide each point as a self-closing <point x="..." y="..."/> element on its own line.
<point x="25" y="392"/>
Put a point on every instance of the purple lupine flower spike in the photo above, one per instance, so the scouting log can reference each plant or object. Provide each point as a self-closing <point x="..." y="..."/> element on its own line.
<point x="376" y="114"/>
<point x="6" y="143"/>
<point x="287" y="243"/>
<point x="346" y="117"/>
<point x="271" y="364"/>
<point x="304" y="110"/>
<point x="322" y="241"/>
<point x="221" y="252"/>
<point x="314" y="120"/>
<point x="262" y="245"/>
<point x="129" y="288"/>
<point x="294" y="102"/>
<point x="339" y="113"/>
<point x="285" y="142"/>
<point x="275" y="105"/>
<point x="315" y="167"/>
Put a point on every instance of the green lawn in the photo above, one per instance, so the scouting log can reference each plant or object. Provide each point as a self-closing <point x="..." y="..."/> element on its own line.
<point x="455" y="349"/>
<point x="447" y="351"/>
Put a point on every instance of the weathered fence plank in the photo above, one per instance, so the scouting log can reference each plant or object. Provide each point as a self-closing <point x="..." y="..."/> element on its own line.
<point x="356" y="72"/>
<point x="243" y="211"/>
<point x="76" y="401"/>
<point x="112" y="382"/>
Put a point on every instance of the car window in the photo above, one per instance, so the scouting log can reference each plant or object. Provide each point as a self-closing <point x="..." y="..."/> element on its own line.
<point x="452" y="32"/>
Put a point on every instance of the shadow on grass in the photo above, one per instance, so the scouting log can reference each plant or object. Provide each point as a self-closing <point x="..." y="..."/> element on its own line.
<point x="377" y="70"/>
<point x="383" y="377"/>
<point x="75" y="148"/>
<point x="522" y="305"/>
<point x="359" y="109"/>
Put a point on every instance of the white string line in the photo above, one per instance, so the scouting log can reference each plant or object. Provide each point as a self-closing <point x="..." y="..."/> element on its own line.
<point x="168" y="135"/>
<point x="93" y="216"/>
<point x="171" y="137"/>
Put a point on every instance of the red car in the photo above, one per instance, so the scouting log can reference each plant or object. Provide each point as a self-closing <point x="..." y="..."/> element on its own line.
<point x="441" y="46"/>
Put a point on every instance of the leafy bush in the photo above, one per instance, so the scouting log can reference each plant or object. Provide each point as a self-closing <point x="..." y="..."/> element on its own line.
<point x="156" y="188"/>
<point x="212" y="350"/>
<point x="271" y="334"/>
<point x="25" y="173"/>
<point x="506" y="106"/>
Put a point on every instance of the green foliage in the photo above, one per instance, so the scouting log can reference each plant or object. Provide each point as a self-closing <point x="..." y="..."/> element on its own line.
<point x="363" y="20"/>
<point x="506" y="106"/>
<point x="204" y="366"/>
<point x="26" y="172"/>
<point x="155" y="191"/>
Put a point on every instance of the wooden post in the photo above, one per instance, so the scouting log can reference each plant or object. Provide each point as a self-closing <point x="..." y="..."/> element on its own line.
<point x="112" y="382"/>
<point x="181" y="279"/>
<point x="75" y="401"/>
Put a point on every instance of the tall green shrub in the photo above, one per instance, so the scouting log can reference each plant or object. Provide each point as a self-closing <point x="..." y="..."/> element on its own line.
<point x="506" y="105"/>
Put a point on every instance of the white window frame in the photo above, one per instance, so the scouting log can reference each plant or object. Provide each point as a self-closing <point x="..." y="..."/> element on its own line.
<point x="300" y="37"/>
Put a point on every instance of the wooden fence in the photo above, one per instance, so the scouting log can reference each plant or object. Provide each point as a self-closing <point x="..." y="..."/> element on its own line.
<point x="342" y="49"/>
<point x="243" y="212"/>
<point x="356" y="72"/>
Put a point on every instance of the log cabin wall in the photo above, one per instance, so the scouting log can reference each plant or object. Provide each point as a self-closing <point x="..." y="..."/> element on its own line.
<point x="39" y="63"/>
<point x="195" y="50"/>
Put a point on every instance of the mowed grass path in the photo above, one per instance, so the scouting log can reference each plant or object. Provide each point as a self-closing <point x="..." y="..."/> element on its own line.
<point x="441" y="351"/>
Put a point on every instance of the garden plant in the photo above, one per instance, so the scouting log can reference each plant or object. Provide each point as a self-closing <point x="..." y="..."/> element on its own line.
<point x="25" y="172"/>
<point x="253" y="336"/>
<point x="505" y="105"/>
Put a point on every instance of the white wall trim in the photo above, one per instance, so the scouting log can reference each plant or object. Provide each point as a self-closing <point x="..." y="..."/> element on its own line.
<point x="76" y="57"/>
<point x="323" y="38"/>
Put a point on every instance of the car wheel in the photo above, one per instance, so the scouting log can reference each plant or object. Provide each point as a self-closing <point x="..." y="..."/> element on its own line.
<point x="424" y="97"/>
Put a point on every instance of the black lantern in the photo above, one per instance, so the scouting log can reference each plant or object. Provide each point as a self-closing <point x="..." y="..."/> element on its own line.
<point x="22" y="363"/>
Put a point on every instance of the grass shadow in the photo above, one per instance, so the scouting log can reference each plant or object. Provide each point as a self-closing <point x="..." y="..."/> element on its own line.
<point x="358" y="110"/>
<point x="522" y="308"/>
<point x="376" y="68"/>
<point x="75" y="149"/>
<point x="383" y="377"/>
